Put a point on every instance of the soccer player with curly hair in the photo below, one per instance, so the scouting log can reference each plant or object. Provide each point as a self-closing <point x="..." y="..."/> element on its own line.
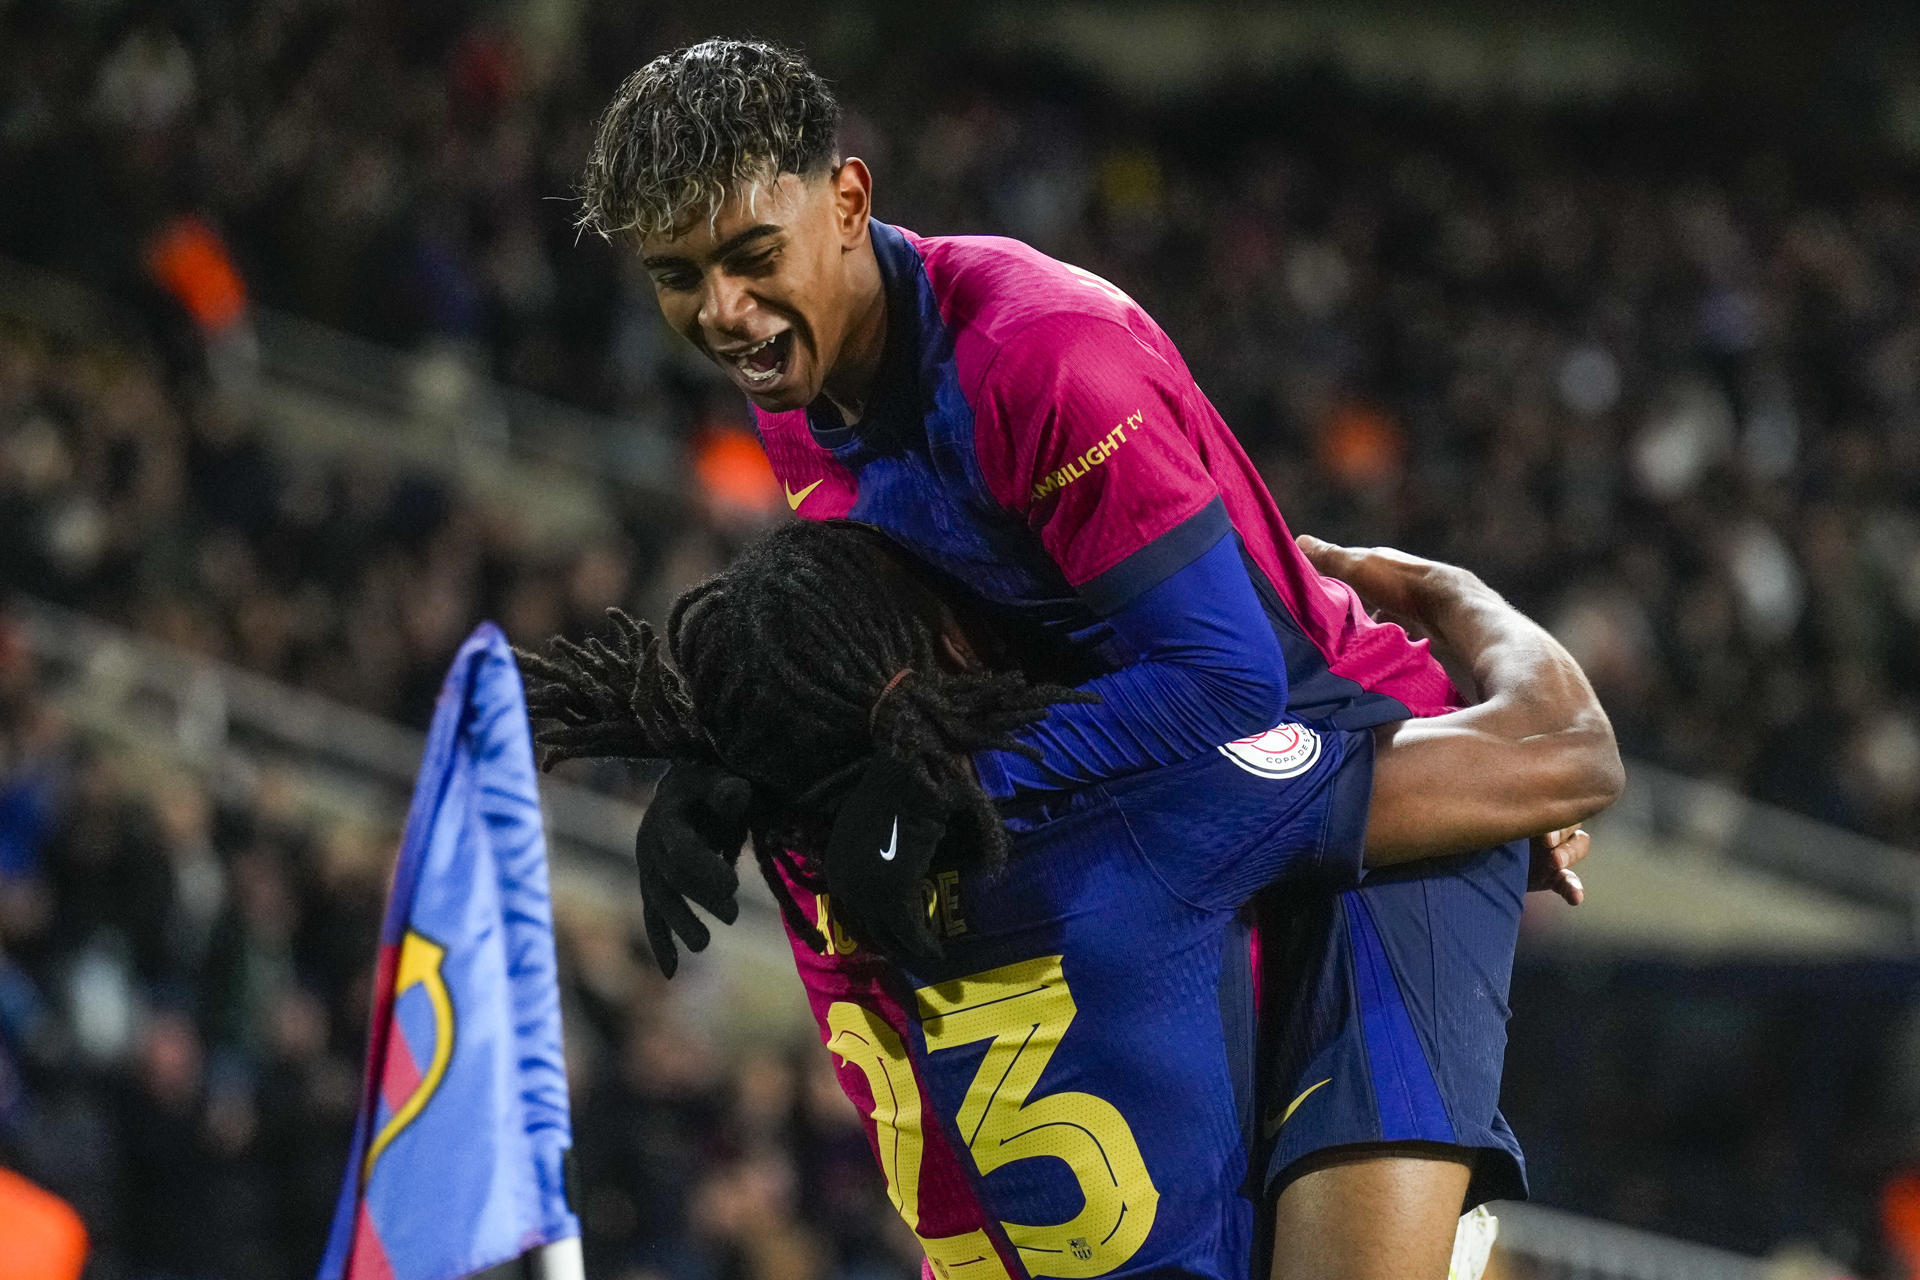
<point x="1024" y="429"/>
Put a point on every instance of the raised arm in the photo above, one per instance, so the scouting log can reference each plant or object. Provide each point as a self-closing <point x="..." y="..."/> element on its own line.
<point x="1535" y="754"/>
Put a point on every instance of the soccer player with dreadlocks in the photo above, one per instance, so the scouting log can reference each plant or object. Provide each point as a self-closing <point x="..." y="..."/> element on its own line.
<point x="1024" y="428"/>
<point x="1070" y="993"/>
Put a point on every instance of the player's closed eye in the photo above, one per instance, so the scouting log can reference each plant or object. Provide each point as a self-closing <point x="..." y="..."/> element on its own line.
<point x="755" y="265"/>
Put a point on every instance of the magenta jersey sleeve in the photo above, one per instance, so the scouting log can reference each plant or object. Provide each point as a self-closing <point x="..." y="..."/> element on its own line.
<point x="1080" y="432"/>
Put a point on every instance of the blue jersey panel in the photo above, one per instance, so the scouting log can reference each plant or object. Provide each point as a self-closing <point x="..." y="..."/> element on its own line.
<point x="1145" y="1035"/>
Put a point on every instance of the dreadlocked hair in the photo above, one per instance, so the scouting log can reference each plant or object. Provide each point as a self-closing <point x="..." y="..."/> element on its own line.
<point x="794" y="661"/>
<point x="614" y="698"/>
<point x="816" y="649"/>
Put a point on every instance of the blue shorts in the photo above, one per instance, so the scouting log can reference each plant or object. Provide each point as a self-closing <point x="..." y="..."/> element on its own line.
<point x="1383" y="1015"/>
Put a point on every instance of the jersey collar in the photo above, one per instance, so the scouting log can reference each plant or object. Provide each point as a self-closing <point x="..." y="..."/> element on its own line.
<point x="894" y="400"/>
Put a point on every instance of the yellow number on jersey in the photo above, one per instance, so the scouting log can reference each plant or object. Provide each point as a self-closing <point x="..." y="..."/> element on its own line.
<point x="1025" y="1009"/>
<point x="860" y="1037"/>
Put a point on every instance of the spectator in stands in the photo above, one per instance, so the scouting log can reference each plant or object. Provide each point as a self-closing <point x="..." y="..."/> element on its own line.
<point x="44" y="1240"/>
<point x="1668" y="405"/>
<point x="1715" y="359"/>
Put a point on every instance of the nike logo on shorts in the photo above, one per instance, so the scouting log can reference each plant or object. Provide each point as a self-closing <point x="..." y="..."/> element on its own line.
<point x="1276" y="1123"/>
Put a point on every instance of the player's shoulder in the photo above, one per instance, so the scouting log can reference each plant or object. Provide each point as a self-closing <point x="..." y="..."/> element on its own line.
<point x="1002" y="297"/>
<point x="1000" y="286"/>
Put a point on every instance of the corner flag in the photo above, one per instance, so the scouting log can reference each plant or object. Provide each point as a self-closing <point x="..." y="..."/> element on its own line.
<point x="457" y="1153"/>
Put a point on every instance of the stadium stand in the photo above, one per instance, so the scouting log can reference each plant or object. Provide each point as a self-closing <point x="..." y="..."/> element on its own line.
<point x="1655" y="378"/>
<point x="1658" y="382"/>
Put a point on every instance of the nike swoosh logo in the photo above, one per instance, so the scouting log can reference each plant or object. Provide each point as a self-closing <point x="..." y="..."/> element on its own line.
<point x="1274" y="1125"/>
<point x="893" y="845"/>
<point x="795" y="499"/>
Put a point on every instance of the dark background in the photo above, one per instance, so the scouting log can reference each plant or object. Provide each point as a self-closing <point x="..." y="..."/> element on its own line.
<point x="1620" y="308"/>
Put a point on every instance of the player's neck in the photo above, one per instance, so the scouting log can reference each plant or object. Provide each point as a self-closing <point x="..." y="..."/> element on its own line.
<point x="850" y="384"/>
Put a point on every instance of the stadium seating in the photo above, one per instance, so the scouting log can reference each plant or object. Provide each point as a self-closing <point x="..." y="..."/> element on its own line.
<point x="1660" y="387"/>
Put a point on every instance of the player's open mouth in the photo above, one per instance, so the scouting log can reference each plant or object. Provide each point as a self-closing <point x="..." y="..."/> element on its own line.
<point x="762" y="364"/>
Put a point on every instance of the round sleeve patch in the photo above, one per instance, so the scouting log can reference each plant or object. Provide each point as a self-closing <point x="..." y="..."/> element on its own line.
<point x="1284" y="751"/>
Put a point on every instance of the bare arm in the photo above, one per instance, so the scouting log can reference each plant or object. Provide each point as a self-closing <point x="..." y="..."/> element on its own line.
<point x="1535" y="755"/>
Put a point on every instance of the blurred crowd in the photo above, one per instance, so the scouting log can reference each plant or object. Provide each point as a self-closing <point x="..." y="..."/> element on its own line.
<point x="184" y="982"/>
<point x="1657" y="381"/>
<point x="351" y="575"/>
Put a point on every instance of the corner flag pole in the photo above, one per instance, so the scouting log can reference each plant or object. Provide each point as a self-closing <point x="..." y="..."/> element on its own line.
<point x="560" y="1260"/>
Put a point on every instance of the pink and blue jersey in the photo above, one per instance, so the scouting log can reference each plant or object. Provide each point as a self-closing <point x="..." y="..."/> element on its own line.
<point x="1035" y="436"/>
<point x="1069" y="1091"/>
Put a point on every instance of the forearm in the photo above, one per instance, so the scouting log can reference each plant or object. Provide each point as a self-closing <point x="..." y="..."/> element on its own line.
<point x="1528" y="684"/>
<point x="1536" y="754"/>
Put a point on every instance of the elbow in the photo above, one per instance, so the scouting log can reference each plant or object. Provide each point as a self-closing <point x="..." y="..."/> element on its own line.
<point x="1604" y="774"/>
<point x="1601" y="781"/>
<point x="1610" y="777"/>
<point x="1254" y="700"/>
<point x="1263" y="684"/>
<point x="1586" y="775"/>
<point x="1574" y="760"/>
<point x="1230" y="693"/>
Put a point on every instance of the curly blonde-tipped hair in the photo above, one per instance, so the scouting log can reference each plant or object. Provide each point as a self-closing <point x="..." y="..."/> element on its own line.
<point x="690" y="127"/>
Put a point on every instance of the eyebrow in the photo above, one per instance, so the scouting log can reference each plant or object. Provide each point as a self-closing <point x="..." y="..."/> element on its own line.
<point x="728" y="246"/>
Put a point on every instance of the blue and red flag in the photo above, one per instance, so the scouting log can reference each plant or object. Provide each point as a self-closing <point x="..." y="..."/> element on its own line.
<point x="458" y="1152"/>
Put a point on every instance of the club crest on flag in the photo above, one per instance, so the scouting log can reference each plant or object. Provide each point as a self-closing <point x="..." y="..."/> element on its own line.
<point x="405" y="1087"/>
<point x="459" y="1151"/>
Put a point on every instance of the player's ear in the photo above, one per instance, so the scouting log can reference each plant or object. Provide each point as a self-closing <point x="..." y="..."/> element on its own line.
<point x="956" y="654"/>
<point x="852" y="201"/>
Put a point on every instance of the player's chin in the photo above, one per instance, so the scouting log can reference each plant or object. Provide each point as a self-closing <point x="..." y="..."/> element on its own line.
<point x="780" y="400"/>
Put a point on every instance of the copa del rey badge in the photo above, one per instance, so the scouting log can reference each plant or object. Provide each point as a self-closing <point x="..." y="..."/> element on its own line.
<point x="1284" y="751"/>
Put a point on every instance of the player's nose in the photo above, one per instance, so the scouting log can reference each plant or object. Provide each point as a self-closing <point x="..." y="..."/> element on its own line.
<point x="725" y="307"/>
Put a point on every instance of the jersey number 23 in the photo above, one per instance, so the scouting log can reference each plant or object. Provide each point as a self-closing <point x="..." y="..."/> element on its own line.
<point x="1024" y="1010"/>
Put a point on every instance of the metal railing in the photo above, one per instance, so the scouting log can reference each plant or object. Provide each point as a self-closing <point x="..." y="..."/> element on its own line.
<point x="440" y="393"/>
<point x="434" y="404"/>
<point x="1553" y="1244"/>
<point x="216" y="719"/>
<point x="1720" y="822"/>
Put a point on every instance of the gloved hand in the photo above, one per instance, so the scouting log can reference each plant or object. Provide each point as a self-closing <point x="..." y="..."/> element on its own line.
<point x="687" y="844"/>
<point x="882" y="844"/>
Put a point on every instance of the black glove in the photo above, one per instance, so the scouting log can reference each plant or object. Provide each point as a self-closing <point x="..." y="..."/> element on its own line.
<point x="883" y="841"/>
<point x="687" y="844"/>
